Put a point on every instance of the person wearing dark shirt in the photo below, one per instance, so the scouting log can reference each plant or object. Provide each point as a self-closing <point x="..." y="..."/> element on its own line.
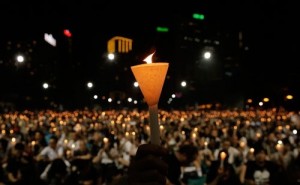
<point x="261" y="171"/>
<point x="19" y="166"/>
<point x="85" y="172"/>
<point x="185" y="155"/>
<point x="222" y="174"/>
<point x="2" y="176"/>
<point x="153" y="164"/>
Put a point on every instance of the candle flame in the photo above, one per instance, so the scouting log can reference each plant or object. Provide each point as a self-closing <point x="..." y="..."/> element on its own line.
<point x="105" y="140"/>
<point x="148" y="59"/>
<point x="223" y="155"/>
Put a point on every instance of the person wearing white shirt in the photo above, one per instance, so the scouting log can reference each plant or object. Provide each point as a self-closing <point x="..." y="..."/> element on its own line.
<point x="232" y="151"/>
<point x="52" y="151"/>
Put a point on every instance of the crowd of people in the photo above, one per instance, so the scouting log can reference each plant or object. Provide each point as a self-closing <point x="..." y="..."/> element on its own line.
<point x="97" y="147"/>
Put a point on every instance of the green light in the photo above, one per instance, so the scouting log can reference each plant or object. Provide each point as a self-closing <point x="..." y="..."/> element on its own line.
<point x="198" y="16"/>
<point x="162" y="29"/>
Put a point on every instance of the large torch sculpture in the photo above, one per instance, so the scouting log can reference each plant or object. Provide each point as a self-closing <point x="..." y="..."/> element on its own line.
<point x="151" y="77"/>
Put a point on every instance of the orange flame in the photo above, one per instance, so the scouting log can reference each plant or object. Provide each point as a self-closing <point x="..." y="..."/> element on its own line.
<point x="223" y="155"/>
<point x="148" y="59"/>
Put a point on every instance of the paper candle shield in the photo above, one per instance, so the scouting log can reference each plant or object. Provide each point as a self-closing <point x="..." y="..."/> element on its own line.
<point x="151" y="78"/>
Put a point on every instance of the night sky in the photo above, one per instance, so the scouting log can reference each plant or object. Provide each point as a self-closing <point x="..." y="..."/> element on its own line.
<point x="262" y="62"/>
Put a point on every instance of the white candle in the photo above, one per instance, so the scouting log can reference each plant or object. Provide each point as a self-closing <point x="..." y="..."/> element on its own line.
<point x="223" y="156"/>
<point x="235" y="129"/>
<point x="205" y="144"/>
<point x="105" y="140"/>
<point x="13" y="141"/>
<point x="194" y="136"/>
<point x="251" y="150"/>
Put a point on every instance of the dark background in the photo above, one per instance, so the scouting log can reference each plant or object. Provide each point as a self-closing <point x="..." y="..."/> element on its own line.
<point x="254" y="43"/>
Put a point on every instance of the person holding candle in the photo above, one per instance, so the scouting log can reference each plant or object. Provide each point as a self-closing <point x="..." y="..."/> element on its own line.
<point x="153" y="164"/>
<point x="221" y="172"/>
<point x="233" y="152"/>
<point x="284" y="156"/>
<point x="262" y="171"/>
<point x="106" y="157"/>
<point x="19" y="166"/>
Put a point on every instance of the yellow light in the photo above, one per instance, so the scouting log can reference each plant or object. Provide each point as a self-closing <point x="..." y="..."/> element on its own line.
<point x="105" y="140"/>
<point x="223" y="155"/>
<point x="194" y="135"/>
<point x="251" y="150"/>
<point x="249" y="100"/>
<point x="124" y="45"/>
<point x="289" y="97"/>
<point x="242" y="144"/>
<point x="266" y="99"/>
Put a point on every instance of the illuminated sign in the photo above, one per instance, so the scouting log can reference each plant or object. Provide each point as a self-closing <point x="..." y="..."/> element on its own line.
<point x="120" y="44"/>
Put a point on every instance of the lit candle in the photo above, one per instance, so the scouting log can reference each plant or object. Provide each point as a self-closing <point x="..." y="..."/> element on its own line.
<point x="105" y="140"/>
<point x="33" y="143"/>
<point x="279" y="145"/>
<point x="205" y="144"/>
<point x="13" y="140"/>
<point x="151" y="77"/>
<point x="69" y="153"/>
<point x="223" y="156"/>
<point x="66" y="142"/>
<point x="147" y="128"/>
<point x="161" y="127"/>
<point x="251" y="150"/>
<point x="235" y="129"/>
<point x="258" y="135"/>
<point x="242" y="144"/>
<point x="194" y="136"/>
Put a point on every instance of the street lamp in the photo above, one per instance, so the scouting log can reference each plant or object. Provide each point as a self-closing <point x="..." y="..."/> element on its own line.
<point x="89" y="85"/>
<point x="207" y="55"/>
<point x="20" y="58"/>
<point x="135" y="84"/>
<point x="111" y="56"/>
<point x="45" y="85"/>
